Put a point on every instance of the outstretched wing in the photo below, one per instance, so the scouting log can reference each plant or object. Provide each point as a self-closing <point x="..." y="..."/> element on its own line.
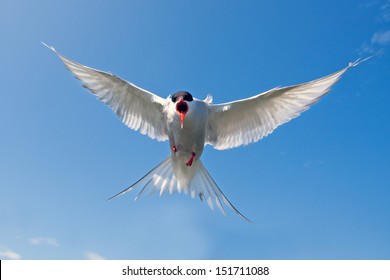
<point x="139" y="109"/>
<point x="245" y="121"/>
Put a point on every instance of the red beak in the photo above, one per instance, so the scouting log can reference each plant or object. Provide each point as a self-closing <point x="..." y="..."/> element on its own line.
<point x="182" y="109"/>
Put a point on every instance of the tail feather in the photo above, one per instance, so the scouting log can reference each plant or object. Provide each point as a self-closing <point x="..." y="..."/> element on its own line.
<point x="145" y="180"/>
<point x="215" y="192"/>
<point x="162" y="179"/>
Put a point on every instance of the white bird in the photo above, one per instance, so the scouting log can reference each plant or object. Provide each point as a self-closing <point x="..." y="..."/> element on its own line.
<point x="189" y="124"/>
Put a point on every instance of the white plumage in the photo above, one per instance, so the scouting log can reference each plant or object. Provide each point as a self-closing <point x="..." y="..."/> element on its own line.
<point x="189" y="124"/>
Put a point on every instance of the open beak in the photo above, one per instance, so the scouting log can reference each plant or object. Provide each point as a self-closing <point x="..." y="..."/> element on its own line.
<point x="182" y="109"/>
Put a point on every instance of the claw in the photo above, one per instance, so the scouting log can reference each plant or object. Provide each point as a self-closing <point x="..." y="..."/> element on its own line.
<point x="189" y="163"/>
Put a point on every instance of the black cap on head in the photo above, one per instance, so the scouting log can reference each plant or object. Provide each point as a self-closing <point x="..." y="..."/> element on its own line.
<point x="183" y="94"/>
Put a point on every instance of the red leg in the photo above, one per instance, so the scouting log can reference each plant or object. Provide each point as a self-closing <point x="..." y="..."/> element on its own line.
<point x="189" y="163"/>
<point x="174" y="149"/>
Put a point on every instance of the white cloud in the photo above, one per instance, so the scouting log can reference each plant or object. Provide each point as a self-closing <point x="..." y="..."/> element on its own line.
<point x="385" y="11"/>
<point x="382" y="8"/>
<point x="368" y="4"/>
<point x="381" y="38"/>
<point x="93" y="256"/>
<point x="44" y="240"/>
<point x="9" y="254"/>
<point x="366" y="49"/>
<point x="313" y="163"/>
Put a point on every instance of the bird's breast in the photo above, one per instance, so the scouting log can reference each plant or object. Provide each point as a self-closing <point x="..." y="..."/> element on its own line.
<point x="191" y="137"/>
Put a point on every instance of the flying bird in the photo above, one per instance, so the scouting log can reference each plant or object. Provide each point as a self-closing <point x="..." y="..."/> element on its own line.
<point x="189" y="124"/>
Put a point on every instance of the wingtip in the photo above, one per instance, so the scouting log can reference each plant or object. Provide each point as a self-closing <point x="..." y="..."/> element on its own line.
<point x="48" y="46"/>
<point x="112" y="197"/>
<point x="361" y="60"/>
<point x="116" y="195"/>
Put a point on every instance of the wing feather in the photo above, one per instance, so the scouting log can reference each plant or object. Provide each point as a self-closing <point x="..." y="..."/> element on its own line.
<point x="245" y="121"/>
<point x="139" y="109"/>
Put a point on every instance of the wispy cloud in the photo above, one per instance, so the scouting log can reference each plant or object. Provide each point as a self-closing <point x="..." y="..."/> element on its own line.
<point x="44" y="241"/>
<point x="368" y="4"/>
<point x="9" y="254"/>
<point x="93" y="256"/>
<point x="313" y="163"/>
<point x="381" y="38"/>
<point x="385" y="11"/>
<point x="381" y="6"/>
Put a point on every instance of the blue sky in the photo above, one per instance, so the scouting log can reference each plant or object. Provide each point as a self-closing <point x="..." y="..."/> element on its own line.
<point x="317" y="188"/>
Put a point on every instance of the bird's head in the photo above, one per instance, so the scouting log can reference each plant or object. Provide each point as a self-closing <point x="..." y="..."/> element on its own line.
<point x="180" y="99"/>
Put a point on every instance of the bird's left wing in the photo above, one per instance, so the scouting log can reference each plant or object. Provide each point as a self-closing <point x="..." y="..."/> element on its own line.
<point x="245" y="121"/>
<point x="139" y="109"/>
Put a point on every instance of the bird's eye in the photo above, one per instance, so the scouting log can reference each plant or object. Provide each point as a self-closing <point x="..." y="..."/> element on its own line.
<point x="188" y="97"/>
<point x="181" y="94"/>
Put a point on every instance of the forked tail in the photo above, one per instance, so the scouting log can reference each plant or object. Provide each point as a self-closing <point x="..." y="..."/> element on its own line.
<point x="162" y="179"/>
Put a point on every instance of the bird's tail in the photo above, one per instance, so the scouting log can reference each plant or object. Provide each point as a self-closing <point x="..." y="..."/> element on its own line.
<point x="162" y="179"/>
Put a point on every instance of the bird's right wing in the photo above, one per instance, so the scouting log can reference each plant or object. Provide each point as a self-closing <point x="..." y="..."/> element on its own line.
<point x="139" y="109"/>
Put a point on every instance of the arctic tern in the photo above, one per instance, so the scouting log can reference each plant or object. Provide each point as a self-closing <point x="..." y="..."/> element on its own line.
<point x="189" y="124"/>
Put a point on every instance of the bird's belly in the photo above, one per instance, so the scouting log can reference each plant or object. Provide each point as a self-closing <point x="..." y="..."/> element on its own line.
<point x="189" y="139"/>
<point x="186" y="145"/>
